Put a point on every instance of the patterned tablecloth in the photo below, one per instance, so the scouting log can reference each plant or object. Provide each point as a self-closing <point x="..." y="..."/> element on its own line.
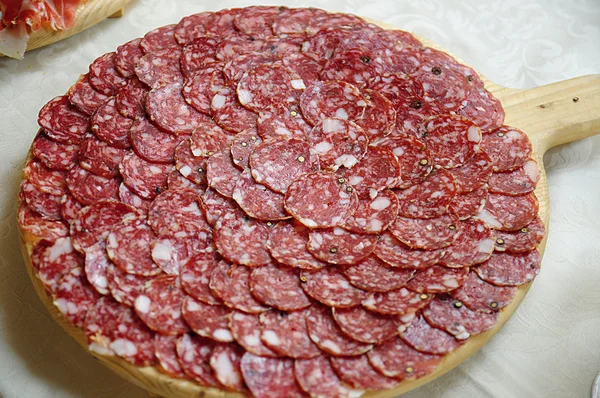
<point x="550" y="348"/>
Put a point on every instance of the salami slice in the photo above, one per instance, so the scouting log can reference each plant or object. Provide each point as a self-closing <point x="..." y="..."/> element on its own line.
<point x="84" y="96"/>
<point x="177" y="211"/>
<point x="338" y="143"/>
<point x="242" y="146"/>
<point x="473" y="174"/>
<point x="234" y="69"/>
<point x="221" y="22"/>
<point x="230" y="114"/>
<point x="510" y="269"/>
<point x="374" y="275"/>
<point x="216" y="205"/>
<point x="242" y="240"/>
<point x="332" y="99"/>
<point x="509" y="213"/>
<point x="177" y="181"/>
<point x="469" y="204"/>
<point x="190" y="166"/>
<point x="165" y="351"/>
<point x="317" y="378"/>
<point x="357" y="372"/>
<point x="160" y="311"/>
<point x="129" y="197"/>
<point x="211" y="321"/>
<point x="201" y="86"/>
<point x="286" y="124"/>
<point x="225" y="362"/>
<point x="101" y="324"/>
<point x="133" y="341"/>
<point x="89" y="188"/>
<point x="54" y="155"/>
<point x="130" y="99"/>
<point x="428" y="199"/>
<point x="128" y="55"/>
<point x="508" y="147"/>
<point x="438" y="279"/>
<point x="100" y="158"/>
<point x="171" y="253"/>
<point x="110" y="126"/>
<point x="279" y="287"/>
<point x="397" y="302"/>
<point x="53" y="260"/>
<point x="517" y="182"/>
<point x="378" y="170"/>
<point x="195" y="277"/>
<point x="160" y="67"/>
<point x="338" y="246"/>
<point x="222" y="174"/>
<point x="366" y="326"/>
<point x="128" y="246"/>
<point x="62" y="121"/>
<point x="474" y="244"/>
<point x="125" y="287"/>
<point x="168" y="110"/>
<point x="480" y="295"/>
<point x="235" y="45"/>
<point x="331" y="287"/>
<point x="456" y="319"/>
<point x="104" y="76"/>
<point x="257" y="200"/>
<point x="335" y="20"/>
<point x="483" y="109"/>
<point x="144" y="178"/>
<point x="191" y="27"/>
<point x="74" y="296"/>
<point x="397" y="254"/>
<point x="270" y="377"/>
<point x="379" y="118"/>
<point x="397" y="359"/>
<point x="305" y="66"/>
<point x="426" y="339"/>
<point x="287" y="244"/>
<point x="257" y="20"/>
<point x="209" y="139"/>
<point x="373" y="216"/>
<point x="230" y="282"/>
<point x="523" y="240"/>
<point x="70" y="208"/>
<point x="198" y="54"/>
<point x="294" y="20"/>
<point x="159" y="38"/>
<point x="152" y="144"/>
<point x="48" y="206"/>
<point x="414" y="159"/>
<point x="430" y="234"/>
<point x="246" y="332"/>
<point x="96" y="266"/>
<point x="355" y="66"/>
<point x="194" y="354"/>
<point x="286" y="334"/>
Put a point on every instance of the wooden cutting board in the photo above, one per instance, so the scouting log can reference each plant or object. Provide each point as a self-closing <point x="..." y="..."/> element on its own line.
<point x="550" y="115"/>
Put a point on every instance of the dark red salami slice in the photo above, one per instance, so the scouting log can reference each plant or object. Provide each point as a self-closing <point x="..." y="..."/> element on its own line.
<point x="317" y="378"/>
<point x="128" y="246"/>
<point x="473" y="174"/>
<point x="374" y="275"/>
<point x="177" y="181"/>
<point x="104" y="76"/>
<point x="282" y="125"/>
<point x="221" y="23"/>
<point x="211" y="321"/>
<point x="246" y="331"/>
<point x="190" y="166"/>
<point x="510" y="269"/>
<point x="177" y="211"/>
<point x="242" y="146"/>
<point x="62" y="121"/>
<point x="456" y="319"/>
<point x="53" y="260"/>
<point x="201" y="86"/>
<point x="270" y="377"/>
<point x="305" y="66"/>
<point x="191" y="27"/>
<point x="221" y="173"/>
<point x="428" y="199"/>
<point x="216" y="205"/>
<point x="396" y="359"/>
<point x="473" y="245"/>
<point x="397" y="302"/>
<point x="366" y="326"/>
<point x="160" y="311"/>
<point x="160" y="67"/>
<point x="235" y="45"/>
<point x="130" y="100"/>
<point x="198" y="54"/>
<point x="295" y="20"/>
<point x="48" y="206"/>
<point x="378" y="170"/>
<point x="194" y="354"/>
<point x="84" y="96"/>
<point x="509" y="213"/>
<point x="355" y="66"/>
<point x="415" y="160"/>
<point x="125" y="287"/>
<point x="230" y="282"/>
<point x="129" y="197"/>
<point x="379" y="118"/>
<point x="517" y="182"/>
<point x="54" y="155"/>
<point x="152" y="144"/>
<point x="96" y="266"/>
<point x="338" y="246"/>
<point x="480" y="295"/>
<point x="89" y="188"/>
<point x="234" y="69"/>
<point x="74" y="296"/>
<point x="322" y="43"/>
<point x="335" y="20"/>
<point x="430" y="234"/>
<point x="209" y="139"/>
<point x="279" y="287"/>
<point x="230" y="114"/>
<point x="331" y="287"/>
<point x="373" y="216"/>
<point x="397" y="254"/>
<point x="165" y="351"/>
<point x="338" y="143"/>
<point x="257" y="200"/>
<point x="128" y="55"/>
<point x="438" y="279"/>
<point x="242" y="240"/>
<point x="508" y="147"/>
<point x="225" y="362"/>
<point x="523" y="240"/>
<point x="257" y="20"/>
<point x="70" y="208"/>
<point x="399" y="38"/>
<point x="287" y="244"/>
<point x="357" y="372"/>
<point x="133" y="341"/>
<point x="469" y="204"/>
<point x="110" y="126"/>
<point x="167" y="108"/>
<point x="195" y="277"/>
<point x="144" y="178"/>
<point x="100" y="158"/>
<point x="101" y="324"/>
<point x="483" y="109"/>
<point x="426" y="339"/>
<point x="286" y="334"/>
<point x="332" y="99"/>
<point x="159" y="38"/>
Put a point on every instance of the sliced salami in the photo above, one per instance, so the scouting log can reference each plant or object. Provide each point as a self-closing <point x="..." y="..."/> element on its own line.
<point x="357" y="372"/>
<point x="131" y="99"/>
<point x="48" y="206"/>
<point x="62" y="122"/>
<point x="198" y="54"/>
<point x="397" y="359"/>
<point x="474" y="244"/>
<point x="438" y="279"/>
<point x="467" y="205"/>
<point x="54" y="259"/>
<point x="133" y="341"/>
<point x="246" y="332"/>
<point x="125" y="287"/>
<point x="177" y="211"/>
<point x="230" y="114"/>
<point x="100" y="158"/>
<point x="89" y="188"/>
<point x="74" y="296"/>
<point x="483" y="109"/>
<point x="171" y="253"/>
<point x="54" y="155"/>
<point x="294" y="20"/>
<point x="279" y="287"/>
<point x="201" y="86"/>
<point x="305" y="66"/>
<point x="285" y="125"/>
<point x="366" y="326"/>
<point x="415" y="160"/>
<point x="286" y="334"/>
<point x="84" y="96"/>
<point x="167" y="108"/>
<point x="523" y="240"/>
<point x="517" y="182"/>
<point x="128" y="55"/>
<point x="176" y="180"/>
<point x="110" y="126"/>
<point x="508" y="147"/>
<point x="397" y="254"/>
<point x="235" y="45"/>
<point x="242" y="146"/>
<point x="191" y="27"/>
<point x="230" y="282"/>
<point x="221" y="22"/>
<point x="335" y="20"/>
<point x="510" y="269"/>
<point x="159" y="38"/>
<point x="70" y="208"/>
<point x="379" y="118"/>
<point x="101" y="324"/>
<point x="270" y="377"/>
<point x="374" y="275"/>
<point x="332" y="99"/>
<point x="428" y="199"/>
<point x="317" y="378"/>
<point x="221" y="173"/>
<point x="509" y="213"/>
<point x="152" y="144"/>
<point x="225" y="362"/>
<point x="216" y="205"/>
<point x="429" y="234"/>
<point x="160" y="67"/>
<point x="190" y="166"/>
<point x="257" y="200"/>
<point x="473" y="174"/>
<point x="165" y="351"/>
<point x="338" y="246"/>
<point x="104" y="76"/>
<point x="128" y="246"/>
<point x="374" y="215"/>
<point x="211" y="321"/>
<point x="397" y="302"/>
<point x="331" y="287"/>
<point x="287" y="244"/>
<point x="144" y="178"/>
<point x="355" y="66"/>
<point x="242" y="240"/>
<point x="257" y="20"/>
<point x="193" y="353"/>
<point x="129" y="197"/>
<point x="480" y="295"/>
<point x="160" y="311"/>
<point x="379" y="169"/>
<point x="234" y="70"/>
<point x="96" y="266"/>
<point x="426" y="339"/>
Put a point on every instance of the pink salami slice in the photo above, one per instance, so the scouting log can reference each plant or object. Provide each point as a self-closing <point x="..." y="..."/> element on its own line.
<point x="62" y="121"/>
<point x="270" y="377"/>
<point x="357" y="372"/>
<point x="426" y="339"/>
<point x="130" y="99"/>
<point x="125" y="287"/>
<point x="84" y="96"/>
<point x="438" y="279"/>
<point x="257" y="20"/>
<point x="74" y="296"/>
<point x="279" y="287"/>
<point x="177" y="181"/>
<point x="509" y="213"/>
<point x="177" y="211"/>
<point x="54" y="259"/>
<point x="332" y="99"/>
<point x="374" y="275"/>
<point x="331" y="287"/>
<point x="397" y="302"/>
<point x="221" y="22"/>
<point x="216" y="205"/>
<point x="473" y="174"/>
<point x="474" y="244"/>
<point x="129" y="197"/>
<point x="415" y="160"/>
<point x="287" y="244"/>
<point x="246" y="332"/>
<point x="171" y="253"/>
<point x="523" y="240"/>
<point x="234" y="69"/>
<point x="222" y="174"/>
<point x="89" y="188"/>
<point x="397" y="359"/>
<point x="128" y="246"/>
<point x="355" y="66"/>
<point x="323" y="42"/>
<point x="230" y="282"/>
<point x="160" y="311"/>
<point x="48" y="206"/>
<point x="211" y="321"/>
<point x="373" y="216"/>
<point x="397" y="254"/>
<point x="144" y="178"/>
<point x="338" y="143"/>
<point x="282" y="125"/>
<point x="317" y="378"/>
<point x="152" y="144"/>
<point x="469" y="204"/>
<point x="110" y="126"/>
<point x="104" y="76"/>
<point x="165" y="351"/>
<point x="379" y="118"/>
<point x="160" y="67"/>
<point x="257" y="200"/>
<point x="96" y="266"/>
<point x="242" y="146"/>
<point x="286" y="334"/>
<point x="194" y="354"/>
<point x="366" y="326"/>
<point x="201" y="86"/>
<point x="100" y="158"/>
<point x="225" y="362"/>
<point x="480" y="295"/>
<point x="305" y="66"/>
<point x="230" y="114"/>
<point x="235" y="45"/>
<point x="159" y="38"/>
<point x="128" y="55"/>
<point x="378" y="170"/>
<point x="198" y="54"/>
<point x="191" y="27"/>
<point x="54" y="155"/>
<point x="430" y="234"/>
<point x="70" y="208"/>
<point x="455" y="318"/>
<point x="517" y="182"/>
<point x="335" y="20"/>
<point x="101" y="324"/>
<point x="338" y="246"/>
<point x="195" y="278"/>
<point x="168" y="110"/>
<point x="190" y="166"/>
<point x="294" y="20"/>
<point x="242" y="240"/>
<point x="428" y="199"/>
<point x="508" y="147"/>
<point x="483" y="109"/>
<point x="133" y="341"/>
<point x="510" y="269"/>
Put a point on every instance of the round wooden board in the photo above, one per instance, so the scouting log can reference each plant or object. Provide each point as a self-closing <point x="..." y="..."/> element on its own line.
<point x="548" y="114"/>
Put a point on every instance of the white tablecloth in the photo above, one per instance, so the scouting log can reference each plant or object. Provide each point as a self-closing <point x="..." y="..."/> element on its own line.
<point x="550" y="348"/>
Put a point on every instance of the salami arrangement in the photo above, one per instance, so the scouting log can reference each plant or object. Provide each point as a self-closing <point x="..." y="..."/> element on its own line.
<point x="280" y="202"/>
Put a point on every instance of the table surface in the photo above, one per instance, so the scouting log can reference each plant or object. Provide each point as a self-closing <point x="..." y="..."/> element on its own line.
<point x="550" y="348"/>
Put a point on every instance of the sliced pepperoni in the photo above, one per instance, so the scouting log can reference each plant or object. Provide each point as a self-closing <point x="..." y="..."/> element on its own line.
<point x="480" y="295"/>
<point x="428" y="199"/>
<point x="257" y="20"/>
<point x="216" y="205"/>
<point x="160" y="311"/>
<point x="230" y="282"/>
<point x="508" y="147"/>
<point x="374" y="215"/>
<point x="100" y="158"/>
<point x="198" y="54"/>
<point x="469" y="204"/>
<point x="279" y="287"/>
<point x="242" y="146"/>
<point x="230" y="114"/>
<point x="517" y="182"/>
<point x="225" y="362"/>
<point x="378" y="170"/>
<point x="474" y="244"/>
<point x="509" y="213"/>
<point x="222" y="174"/>
<point x="167" y="108"/>
<point x="128" y="55"/>
<point x="55" y="155"/>
<point x="483" y="109"/>
<point x="190" y="166"/>
<point x="338" y="246"/>
<point x="159" y="38"/>
<point x="473" y="174"/>
<point x="286" y="124"/>
<point x="129" y="197"/>
<point x="397" y="254"/>
<point x="194" y="354"/>
<point x="89" y="188"/>
<point x="165" y="351"/>
<point x="257" y="200"/>
<point x="70" y="208"/>
<point x="62" y="122"/>
<point x="317" y="378"/>
<point x="210" y="321"/>
<point x="125" y="287"/>
<point x="332" y="99"/>
<point x="201" y="86"/>
<point x="160" y="67"/>
<point x="242" y="240"/>
<point x="332" y="288"/>
<point x="355" y="66"/>
<point x="128" y="246"/>
<point x="397" y="359"/>
<point x="426" y="339"/>
<point x="177" y="211"/>
<point x="96" y="266"/>
<point x="366" y="326"/>
<point x="104" y="76"/>
<point x="191" y="27"/>
<point x="54" y="259"/>
<point x="510" y="269"/>
<point x="287" y="244"/>
<point x="523" y="240"/>
<point x="110" y="126"/>
<point x="397" y="302"/>
<point x="415" y="160"/>
<point x="48" y="206"/>
<point x="270" y="377"/>
<point x="152" y="144"/>
<point x="133" y="341"/>
<point x="294" y="20"/>
<point x="131" y="99"/>
<point x="430" y="234"/>
<point x="195" y="277"/>
<point x="286" y="334"/>
<point x="438" y="279"/>
<point x="246" y="332"/>
<point x="374" y="275"/>
<point x="84" y="96"/>
<point x="145" y="178"/>
<point x="357" y="372"/>
<point x="338" y="143"/>
<point x="74" y="296"/>
<point x="101" y="324"/>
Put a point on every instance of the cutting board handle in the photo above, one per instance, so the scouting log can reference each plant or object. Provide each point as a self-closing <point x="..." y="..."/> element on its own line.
<point x="556" y="113"/>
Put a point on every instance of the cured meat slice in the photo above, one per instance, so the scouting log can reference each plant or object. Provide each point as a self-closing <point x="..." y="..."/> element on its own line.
<point x="130" y="100"/>
<point x="317" y="378"/>
<point x="483" y="109"/>
<point x="230" y="114"/>
<point x="282" y="125"/>
<point x="104" y="76"/>
<point x="101" y="324"/>
<point x="517" y="182"/>
<point x="160" y="311"/>
<point x="474" y="244"/>
<point x="208" y="139"/>
<point x="177" y="181"/>
<point x="456" y="319"/>
<point x="366" y="326"/>
<point x="322" y="43"/>
<point x="474" y="174"/>
<point x="62" y="122"/>
<point x="193" y="353"/>
<point x="242" y="146"/>
<point x="379" y="118"/>
<point x="191" y="27"/>
<point x="397" y="359"/>
<point x="430" y="234"/>
<point x="479" y="295"/>
<point x="257" y="20"/>
<point x="200" y="87"/>
<point x="48" y="206"/>
<point x="509" y="213"/>
<point x="357" y="372"/>
<point x="128" y="246"/>
<point x="230" y="282"/>
<point x="55" y="155"/>
<point x="267" y="87"/>
<point x="222" y="174"/>
<point x="469" y="204"/>
<point x="128" y="55"/>
<point x="338" y="143"/>
<point x="286" y="334"/>
<point x="216" y="205"/>
<point x="379" y="169"/>
<point x="177" y="211"/>
<point x="221" y="22"/>
<point x="397" y="302"/>
<point x="133" y="341"/>
<point x="242" y="240"/>
<point x="373" y="216"/>
<point x="287" y="244"/>
<point x="246" y="332"/>
<point x="125" y="287"/>
<point x="332" y="99"/>
<point x="110" y="126"/>
<point x="165" y="351"/>
<point x="373" y="275"/>
<point x="397" y="254"/>
<point x="412" y="155"/>
<point x="167" y="108"/>
<point x="160" y="67"/>
<point x="190" y="166"/>
<point x="428" y="199"/>
<point x="279" y="287"/>
<point x="152" y="144"/>
<point x="508" y="147"/>
<point x="225" y="362"/>
<point x="235" y="68"/>
<point x="159" y="38"/>
<point x="355" y="66"/>
<point x="171" y="253"/>
<point x="270" y="377"/>
<point x="438" y="279"/>
<point x="257" y="200"/>
<point x="429" y="340"/>
<point x="96" y="266"/>
<point x="331" y="287"/>
<point x="195" y="277"/>
<point x="198" y="54"/>
<point x="100" y="158"/>
<point x="129" y="197"/>
<point x="335" y="20"/>
<point x="84" y="96"/>
<point x="144" y="178"/>
<point x="294" y="20"/>
<point x="523" y="240"/>
<point x="70" y="208"/>
<point x="211" y="321"/>
<point x="277" y="164"/>
<point x="74" y="296"/>
<point x="338" y="246"/>
<point x="89" y="188"/>
<point x="327" y="196"/>
<point x="235" y="45"/>
<point x="305" y="66"/>
<point x="54" y="259"/>
<point x="510" y="269"/>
